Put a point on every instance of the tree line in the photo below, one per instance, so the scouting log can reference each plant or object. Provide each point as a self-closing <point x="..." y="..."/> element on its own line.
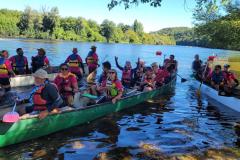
<point x="48" y="24"/>
<point x="218" y="23"/>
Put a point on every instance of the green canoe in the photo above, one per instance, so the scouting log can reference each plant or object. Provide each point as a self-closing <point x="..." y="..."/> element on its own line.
<point x="31" y="128"/>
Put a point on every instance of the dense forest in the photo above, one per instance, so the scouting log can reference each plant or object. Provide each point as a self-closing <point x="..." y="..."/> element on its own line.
<point x="182" y="35"/>
<point x="49" y="25"/>
<point x="218" y="23"/>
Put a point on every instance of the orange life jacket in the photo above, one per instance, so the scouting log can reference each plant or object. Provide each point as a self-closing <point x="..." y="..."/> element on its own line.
<point x="39" y="103"/>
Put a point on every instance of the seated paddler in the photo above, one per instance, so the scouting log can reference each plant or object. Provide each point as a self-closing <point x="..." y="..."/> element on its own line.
<point x="114" y="88"/>
<point x="44" y="97"/>
<point x="67" y="84"/>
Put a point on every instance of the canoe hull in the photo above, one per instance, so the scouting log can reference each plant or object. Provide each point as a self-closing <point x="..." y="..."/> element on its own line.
<point x="33" y="128"/>
<point x="231" y="103"/>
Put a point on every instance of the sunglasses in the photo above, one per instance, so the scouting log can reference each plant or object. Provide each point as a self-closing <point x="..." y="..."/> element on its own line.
<point x="111" y="72"/>
<point x="64" y="69"/>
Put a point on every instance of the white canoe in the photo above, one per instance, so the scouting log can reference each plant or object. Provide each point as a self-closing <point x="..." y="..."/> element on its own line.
<point x="28" y="80"/>
<point x="222" y="102"/>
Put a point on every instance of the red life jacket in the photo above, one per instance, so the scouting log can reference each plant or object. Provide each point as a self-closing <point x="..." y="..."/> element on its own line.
<point x="39" y="103"/>
<point x="126" y="76"/>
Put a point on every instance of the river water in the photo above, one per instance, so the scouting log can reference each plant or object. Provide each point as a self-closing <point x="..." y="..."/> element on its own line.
<point x="173" y="126"/>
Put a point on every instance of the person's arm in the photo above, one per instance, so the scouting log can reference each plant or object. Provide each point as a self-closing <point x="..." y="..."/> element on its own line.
<point x="9" y="68"/>
<point x="117" y="64"/>
<point x="46" y="62"/>
<point x="66" y="61"/>
<point x="120" y="92"/>
<point x="53" y="96"/>
<point x="75" y="84"/>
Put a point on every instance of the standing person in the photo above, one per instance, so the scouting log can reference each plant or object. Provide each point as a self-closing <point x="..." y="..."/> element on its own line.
<point x="5" y="71"/>
<point x="127" y="73"/>
<point x="44" y="97"/>
<point x="40" y="60"/>
<point x="75" y="64"/>
<point x="171" y="64"/>
<point x="67" y="84"/>
<point x="19" y="63"/>
<point x="92" y="59"/>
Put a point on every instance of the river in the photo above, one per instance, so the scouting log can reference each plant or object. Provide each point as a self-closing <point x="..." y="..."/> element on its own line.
<point x="172" y="126"/>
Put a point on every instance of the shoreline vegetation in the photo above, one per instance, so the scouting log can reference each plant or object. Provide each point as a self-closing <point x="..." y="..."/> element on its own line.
<point x="219" y="32"/>
<point x="47" y="24"/>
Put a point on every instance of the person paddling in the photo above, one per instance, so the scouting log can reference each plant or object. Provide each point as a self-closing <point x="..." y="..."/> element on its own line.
<point x="67" y="84"/>
<point x="40" y="60"/>
<point x="196" y="65"/>
<point x="171" y="64"/>
<point x="75" y="64"/>
<point x="127" y="73"/>
<point x="92" y="59"/>
<point x="45" y="98"/>
<point x="19" y="63"/>
<point x="161" y="75"/>
<point x="5" y="71"/>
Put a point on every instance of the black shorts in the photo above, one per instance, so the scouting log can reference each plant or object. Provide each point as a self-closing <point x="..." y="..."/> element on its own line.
<point x="4" y="81"/>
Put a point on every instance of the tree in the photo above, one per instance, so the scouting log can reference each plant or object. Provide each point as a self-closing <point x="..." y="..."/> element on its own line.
<point x="138" y="27"/>
<point x="26" y="20"/>
<point x="107" y="29"/>
<point x="51" y="19"/>
<point x="124" y="27"/>
<point x="129" y="3"/>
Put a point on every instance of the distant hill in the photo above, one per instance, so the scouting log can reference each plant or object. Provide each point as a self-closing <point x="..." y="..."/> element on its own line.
<point x="182" y="35"/>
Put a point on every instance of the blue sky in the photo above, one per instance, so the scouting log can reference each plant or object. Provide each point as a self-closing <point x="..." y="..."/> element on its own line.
<point x="172" y="13"/>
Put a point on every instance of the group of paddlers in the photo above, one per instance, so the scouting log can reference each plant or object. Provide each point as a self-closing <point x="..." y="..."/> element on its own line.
<point x="220" y="79"/>
<point x="47" y="97"/>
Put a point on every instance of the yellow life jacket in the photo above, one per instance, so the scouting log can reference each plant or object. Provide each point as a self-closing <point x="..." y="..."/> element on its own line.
<point x="73" y="63"/>
<point x="3" y="69"/>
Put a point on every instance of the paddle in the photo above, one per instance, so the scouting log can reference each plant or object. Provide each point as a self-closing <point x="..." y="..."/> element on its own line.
<point x="11" y="117"/>
<point x="182" y="79"/>
<point x="203" y="76"/>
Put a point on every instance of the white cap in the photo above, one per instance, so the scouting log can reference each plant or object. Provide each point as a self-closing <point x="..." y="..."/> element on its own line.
<point x="41" y="74"/>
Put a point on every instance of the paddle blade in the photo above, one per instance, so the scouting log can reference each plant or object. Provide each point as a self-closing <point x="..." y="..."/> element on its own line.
<point x="198" y="93"/>
<point x="11" y="117"/>
<point x="183" y="80"/>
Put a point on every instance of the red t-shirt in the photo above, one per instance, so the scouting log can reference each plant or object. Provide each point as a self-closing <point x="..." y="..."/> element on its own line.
<point x="69" y="81"/>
